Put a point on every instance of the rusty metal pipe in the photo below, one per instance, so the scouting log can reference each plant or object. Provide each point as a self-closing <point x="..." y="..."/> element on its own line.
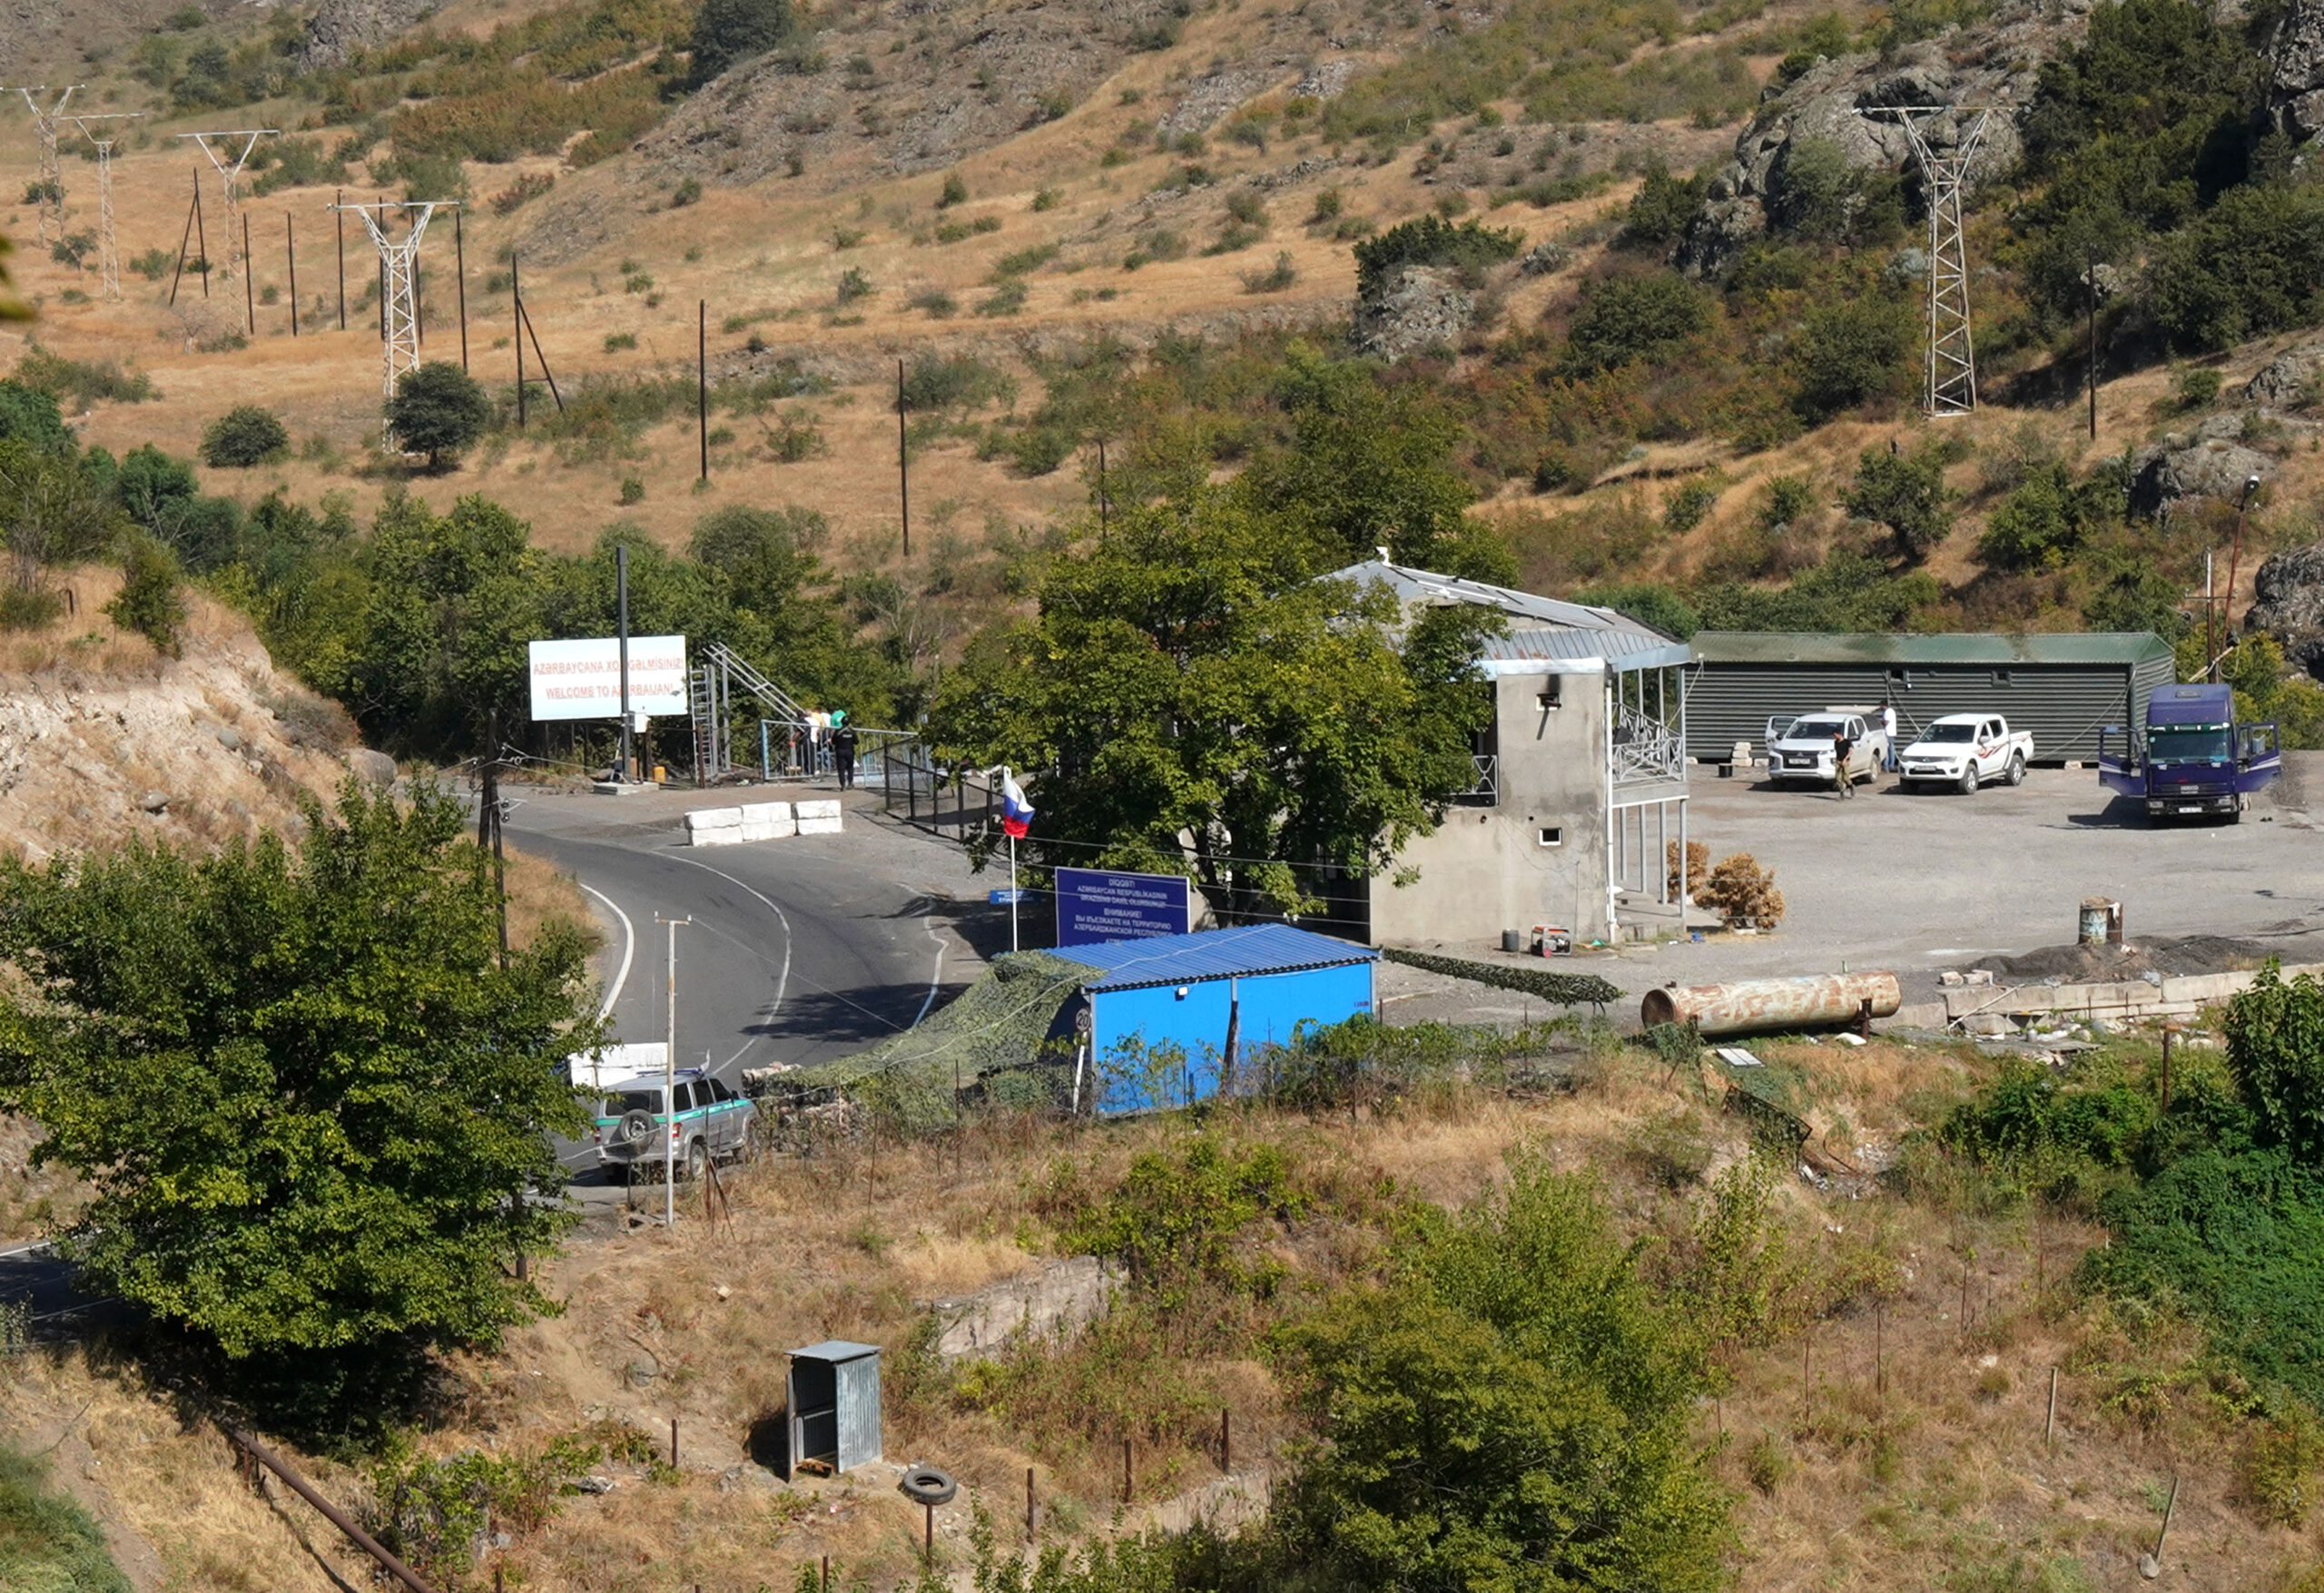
<point x="1760" y="1006"/>
<point x="330" y="1512"/>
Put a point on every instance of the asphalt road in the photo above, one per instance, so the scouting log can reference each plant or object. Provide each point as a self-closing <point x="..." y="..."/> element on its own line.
<point x="799" y="950"/>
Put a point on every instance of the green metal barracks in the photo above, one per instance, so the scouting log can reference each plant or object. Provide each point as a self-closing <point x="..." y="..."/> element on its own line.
<point x="2063" y="687"/>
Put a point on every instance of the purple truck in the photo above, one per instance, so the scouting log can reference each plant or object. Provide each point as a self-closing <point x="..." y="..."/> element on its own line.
<point x="2191" y="760"/>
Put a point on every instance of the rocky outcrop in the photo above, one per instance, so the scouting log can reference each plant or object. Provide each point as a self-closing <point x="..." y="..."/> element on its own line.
<point x="2285" y="382"/>
<point x="340" y="28"/>
<point x="2290" y="589"/>
<point x="2296" y="71"/>
<point x="2212" y="463"/>
<point x="1998" y="67"/>
<point x="1418" y="307"/>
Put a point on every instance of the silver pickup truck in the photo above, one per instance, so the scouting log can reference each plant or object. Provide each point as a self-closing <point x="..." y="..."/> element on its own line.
<point x="636" y="1130"/>
<point x="1802" y="750"/>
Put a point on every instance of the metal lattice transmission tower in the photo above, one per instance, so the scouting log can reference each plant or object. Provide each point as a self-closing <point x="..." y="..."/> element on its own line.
<point x="230" y="176"/>
<point x="108" y="255"/>
<point x="1952" y="366"/>
<point x="51" y="173"/>
<point x="399" y="269"/>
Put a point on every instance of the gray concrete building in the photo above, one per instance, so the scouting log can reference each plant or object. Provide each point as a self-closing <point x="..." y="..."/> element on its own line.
<point x="1581" y="780"/>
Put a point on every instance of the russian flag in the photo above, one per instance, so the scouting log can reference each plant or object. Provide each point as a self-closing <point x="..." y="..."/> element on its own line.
<point x="1016" y="812"/>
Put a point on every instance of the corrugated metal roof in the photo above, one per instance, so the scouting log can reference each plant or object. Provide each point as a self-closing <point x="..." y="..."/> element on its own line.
<point x="1215" y="954"/>
<point x="1426" y="587"/>
<point x="1519" y="646"/>
<point x="2118" y="647"/>
<point x="836" y="1350"/>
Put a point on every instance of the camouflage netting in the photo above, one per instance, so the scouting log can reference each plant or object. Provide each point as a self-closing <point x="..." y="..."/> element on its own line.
<point x="998" y="1026"/>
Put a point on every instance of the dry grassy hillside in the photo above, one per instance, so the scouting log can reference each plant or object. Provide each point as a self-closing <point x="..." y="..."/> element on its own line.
<point x="1896" y="1447"/>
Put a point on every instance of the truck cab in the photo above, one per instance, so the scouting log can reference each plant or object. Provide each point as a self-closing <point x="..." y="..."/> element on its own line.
<point x="2191" y="759"/>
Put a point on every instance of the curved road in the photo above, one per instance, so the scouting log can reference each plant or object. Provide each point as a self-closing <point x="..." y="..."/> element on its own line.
<point x="800" y="950"/>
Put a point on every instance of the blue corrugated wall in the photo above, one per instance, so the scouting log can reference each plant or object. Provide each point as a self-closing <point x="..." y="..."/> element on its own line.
<point x="1156" y="1047"/>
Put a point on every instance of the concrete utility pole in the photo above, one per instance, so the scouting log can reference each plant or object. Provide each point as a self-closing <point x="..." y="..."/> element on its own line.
<point x="1952" y="366"/>
<point x="670" y="1083"/>
<point x="399" y="277"/>
<point x="51" y="173"/>
<point x="230" y="173"/>
<point x="108" y="255"/>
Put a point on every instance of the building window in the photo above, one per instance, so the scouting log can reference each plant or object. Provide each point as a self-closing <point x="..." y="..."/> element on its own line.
<point x="1552" y="836"/>
<point x="1550" y="693"/>
<point x="1900" y="679"/>
<point x="2002" y="678"/>
<point x="1485" y="757"/>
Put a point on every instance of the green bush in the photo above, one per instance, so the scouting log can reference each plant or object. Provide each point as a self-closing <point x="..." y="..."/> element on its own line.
<point x="1470" y="247"/>
<point x="2038" y="525"/>
<point x="956" y="381"/>
<point x="1662" y="209"/>
<point x="439" y="411"/>
<point x="729" y="32"/>
<point x="1853" y="352"/>
<point x="1906" y="494"/>
<point x="1624" y="319"/>
<point x="2275" y="1044"/>
<point x="1176" y="1219"/>
<point x="48" y="1544"/>
<point x="149" y="602"/>
<point x="244" y="436"/>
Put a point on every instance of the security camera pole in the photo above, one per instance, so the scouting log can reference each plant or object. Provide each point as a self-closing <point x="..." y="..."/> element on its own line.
<point x="670" y="1083"/>
<point x="2234" y="558"/>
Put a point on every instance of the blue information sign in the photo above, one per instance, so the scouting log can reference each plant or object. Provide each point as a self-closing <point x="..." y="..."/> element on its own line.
<point x="1005" y="898"/>
<point x="1095" y="906"/>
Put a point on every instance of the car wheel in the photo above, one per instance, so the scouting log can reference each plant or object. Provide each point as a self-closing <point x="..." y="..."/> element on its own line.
<point x="697" y="1159"/>
<point x="2016" y="775"/>
<point x="1969" y="779"/>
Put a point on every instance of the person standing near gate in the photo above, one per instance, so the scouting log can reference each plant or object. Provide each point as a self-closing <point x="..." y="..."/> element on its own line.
<point x="843" y="754"/>
<point x="1888" y="734"/>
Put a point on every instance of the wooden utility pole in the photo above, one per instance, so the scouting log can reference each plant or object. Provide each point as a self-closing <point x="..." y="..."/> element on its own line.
<point x="460" y="265"/>
<point x="516" y="321"/>
<point x="702" y="380"/>
<point x="291" y="254"/>
<point x="250" y="288"/>
<point x="339" y="220"/>
<point x="903" y="460"/>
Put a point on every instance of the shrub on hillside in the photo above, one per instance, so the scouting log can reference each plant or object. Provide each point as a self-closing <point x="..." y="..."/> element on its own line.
<point x="1905" y="493"/>
<point x="1469" y="248"/>
<point x="729" y="32"/>
<point x="439" y="411"/>
<point x="1624" y="319"/>
<point x="1853" y="352"/>
<point x="149" y="602"/>
<point x="243" y="436"/>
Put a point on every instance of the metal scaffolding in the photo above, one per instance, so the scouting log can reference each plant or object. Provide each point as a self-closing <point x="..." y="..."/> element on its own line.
<point x="108" y="254"/>
<point x="399" y="299"/>
<point x="1952" y="366"/>
<point x="230" y="176"/>
<point x="52" y="173"/>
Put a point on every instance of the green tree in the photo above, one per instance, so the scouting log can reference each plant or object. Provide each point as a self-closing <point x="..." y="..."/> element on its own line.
<point x="2275" y="1044"/>
<point x="1663" y="208"/>
<point x="1851" y="353"/>
<point x="727" y="33"/>
<point x="2038" y="523"/>
<point x="148" y="601"/>
<point x="1368" y="465"/>
<point x="1469" y="248"/>
<point x="29" y="415"/>
<point x="1514" y="1415"/>
<point x="439" y="410"/>
<point x="1627" y="318"/>
<point x="1189" y="677"/>
<point x="313" y="1105"/>
<point x="1905" y="493"/>
<point x="51" y="511"/>
<point x="243" y="436"/>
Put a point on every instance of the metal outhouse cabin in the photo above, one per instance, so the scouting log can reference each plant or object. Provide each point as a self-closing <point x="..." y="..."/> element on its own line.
<point x="835" y="1405"/>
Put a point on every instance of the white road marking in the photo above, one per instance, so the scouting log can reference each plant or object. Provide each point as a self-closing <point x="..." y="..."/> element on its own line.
<point x="936" y="975"/>
<point x="783" y="981"/>
<point x="628" y="946"/>
<point x="25" y="1249"/>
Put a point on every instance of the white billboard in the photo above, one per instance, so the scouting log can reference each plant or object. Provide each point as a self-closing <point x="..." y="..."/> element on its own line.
<point x="582" y="679"/>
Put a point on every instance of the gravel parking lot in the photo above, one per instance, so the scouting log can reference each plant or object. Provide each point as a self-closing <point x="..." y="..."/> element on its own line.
<point x="1923" y="882"/>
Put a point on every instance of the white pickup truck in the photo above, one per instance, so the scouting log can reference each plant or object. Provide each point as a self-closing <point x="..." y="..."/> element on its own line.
<point x="1964" y="750"/>
<point x="1802" y="750"/>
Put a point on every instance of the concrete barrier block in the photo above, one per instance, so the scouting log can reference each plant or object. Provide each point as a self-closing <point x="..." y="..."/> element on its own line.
<point x="766" y="812"/>
<point x="703" y="818"/>
<point x="725" y="835"/>
<point x="818" y="818"/>
<point x="1926" y="1015"/>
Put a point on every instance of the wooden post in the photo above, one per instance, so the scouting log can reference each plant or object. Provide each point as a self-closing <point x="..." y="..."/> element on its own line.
<point x="1879" y="1356"/>
<point x="1807" y="1353"/>
<point x="201" y="237"/>
<point x="2050" y="1425"/>
<point x="2090" y="284"/>
<point x="291" y="252"/>
<point x="339" y="221"/>
<point x="1965" y="1296"/>
<point x="674" y="1443"/>
<point x="1128" y="1483"/>
<point x="516" y="311"/>
<point x="928" y="1541"/>
<point x="1028" y="1504"/>
<point x="903" y="460"/>
<point x="185" y="242"/>
<point x="2166" y="1068"/>
<point x="702" y="379"/>
<point x="827" y="1574"/>
<point x="250" y="288"/>
<point x="460" y="266"/>
<point x="1227" y="1442"/>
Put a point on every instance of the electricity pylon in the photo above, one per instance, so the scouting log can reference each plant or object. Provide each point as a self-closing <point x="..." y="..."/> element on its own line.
<point x="52" y="174"/>
<point x="1952" y="366"/>
<point x="108" y="256"/>
<point x="230" y="176"/>
<point x="398" y="298"/>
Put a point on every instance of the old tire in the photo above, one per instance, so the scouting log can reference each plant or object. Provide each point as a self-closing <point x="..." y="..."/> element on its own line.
<point x="1969" y="777"/>
<point x="925" y="1485"/>
<point x="2016" y="775"/>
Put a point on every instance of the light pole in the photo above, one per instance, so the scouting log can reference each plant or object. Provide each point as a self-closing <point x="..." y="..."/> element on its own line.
<point x="670" y="1081"/>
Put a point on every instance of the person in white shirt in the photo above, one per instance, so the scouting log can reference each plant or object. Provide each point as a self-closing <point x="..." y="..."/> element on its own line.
<point x="1888" y="726"/>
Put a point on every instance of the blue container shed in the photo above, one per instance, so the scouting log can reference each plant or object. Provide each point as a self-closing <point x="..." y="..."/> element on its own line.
<point x="1209" y="1000"/>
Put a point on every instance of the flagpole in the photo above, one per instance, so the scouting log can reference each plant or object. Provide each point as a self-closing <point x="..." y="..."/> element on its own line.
<point x="1012" y="893"/>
